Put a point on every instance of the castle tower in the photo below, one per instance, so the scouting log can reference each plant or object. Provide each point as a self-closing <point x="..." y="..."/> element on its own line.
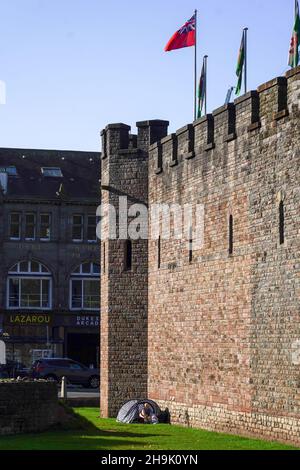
<point x="124" y="262"/>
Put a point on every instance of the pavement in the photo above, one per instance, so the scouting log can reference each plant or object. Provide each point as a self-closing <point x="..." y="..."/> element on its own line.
<point x="81" y="392"/>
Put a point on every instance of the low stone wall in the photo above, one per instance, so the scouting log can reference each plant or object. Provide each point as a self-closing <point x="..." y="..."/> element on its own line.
<point x="248" y="424"/>
<point x="27" y="407"/>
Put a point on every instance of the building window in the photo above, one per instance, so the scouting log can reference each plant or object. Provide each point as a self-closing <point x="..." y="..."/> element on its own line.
<point x="29" y="286"/>
<point x="10" y="170"/>
<point x="30" y="226"/>
<point x="85" y="287"/>
<point x="45" y="227"/>
<point x="281" y="223"/>
<point x="104" y="140"/>
<point x="15" y="226"/>
<point x="104" y="254"/>
<point x="159" y="252"/>
<point x="52" y="172"/>
<point x="92" y="226"/>
<point x="127" y="255"/>
<point x="77" y="235"/>
<point x="230" y="241"/>
<point x="190" y="245"/>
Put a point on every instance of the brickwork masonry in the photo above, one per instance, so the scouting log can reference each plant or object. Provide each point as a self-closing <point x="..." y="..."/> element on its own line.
<point x="214" y="335"/>
<point x="220" y="419"/>
<point x="229" y="322"/>
<point x="27" y="407"/>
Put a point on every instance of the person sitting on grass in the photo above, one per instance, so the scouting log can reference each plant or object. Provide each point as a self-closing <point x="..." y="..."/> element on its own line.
<point x="147" y="414"/>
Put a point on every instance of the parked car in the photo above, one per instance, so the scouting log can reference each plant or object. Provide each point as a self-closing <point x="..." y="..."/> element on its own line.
<point x="3" y="372"/>
<point x="13" y="369"/>
<point x="55" y="369"/>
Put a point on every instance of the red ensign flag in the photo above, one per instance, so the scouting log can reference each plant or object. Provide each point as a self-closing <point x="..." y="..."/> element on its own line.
<point x="184" y="37"/>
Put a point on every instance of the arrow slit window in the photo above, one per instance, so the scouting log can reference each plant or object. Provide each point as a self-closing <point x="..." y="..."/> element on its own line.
<point x="281" y="223"/>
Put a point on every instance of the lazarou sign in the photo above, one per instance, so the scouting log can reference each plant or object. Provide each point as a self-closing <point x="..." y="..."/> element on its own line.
<point x="30" y="319"/>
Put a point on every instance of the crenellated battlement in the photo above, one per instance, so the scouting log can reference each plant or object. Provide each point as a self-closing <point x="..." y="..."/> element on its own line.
<point x="223" y="292"/>
<point x="116" y="138"/>
<point x="249" y="115"/>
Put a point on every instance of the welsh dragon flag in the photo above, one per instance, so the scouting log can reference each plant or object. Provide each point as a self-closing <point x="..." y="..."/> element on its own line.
<point x="240" y="65"/>
<point x="295" y="41"/>
<point x="201" y="92"/>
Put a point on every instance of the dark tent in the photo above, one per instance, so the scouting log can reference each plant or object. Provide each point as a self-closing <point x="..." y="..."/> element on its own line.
<point x="129" y="412"/>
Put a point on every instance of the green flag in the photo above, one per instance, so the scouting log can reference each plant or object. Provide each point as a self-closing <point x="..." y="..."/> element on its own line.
<point x="294" y="48"/>
<point x="240" y="65"/>
<point x="201" y="91"/>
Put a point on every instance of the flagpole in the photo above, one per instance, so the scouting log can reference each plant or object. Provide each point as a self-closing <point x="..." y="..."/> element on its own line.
<point x="246" y="57"/>
<point x="195" y="97"/>
<point x="205" y="62"/>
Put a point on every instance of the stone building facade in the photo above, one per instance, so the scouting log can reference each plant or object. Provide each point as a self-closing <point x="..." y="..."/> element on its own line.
<point x="49" y="255"/>
<point x="215" y="328"/>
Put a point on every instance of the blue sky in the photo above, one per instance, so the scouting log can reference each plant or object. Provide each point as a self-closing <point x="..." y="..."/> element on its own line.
<point x="73" y="66"/>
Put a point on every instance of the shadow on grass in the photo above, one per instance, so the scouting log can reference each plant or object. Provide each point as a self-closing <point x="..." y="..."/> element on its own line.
<point x="83" y="431"/>
<point x="87" y="438"/>
<point x="80" y="432"/>
<point x="65" y="441"/>
<point x="91" y="428"/>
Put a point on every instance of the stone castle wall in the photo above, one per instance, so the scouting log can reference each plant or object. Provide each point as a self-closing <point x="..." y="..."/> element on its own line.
<point x="27" y="407"/>
<point x="124" y="298"/>
<point x="229" y="322"/>
<point x="223" y="328"/>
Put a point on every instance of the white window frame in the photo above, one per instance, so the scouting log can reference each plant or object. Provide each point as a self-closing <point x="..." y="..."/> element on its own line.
<point x="80" y="276"/>
<point x="20" y="278"/>
<point x="75" y="240"/>
<point x="82" y="279"/>
<point x="21" y="275"/>
<point x="28" y="239"/>
<point x="88" y="225"/>
<point x="19" y="272"/>
<point x="50" y="226"/>
<point x="20" y="226"/>
<point x="49" y="172"/>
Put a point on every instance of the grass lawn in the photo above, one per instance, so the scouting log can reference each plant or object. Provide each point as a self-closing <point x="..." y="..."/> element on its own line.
<point x="106" y="434"/>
